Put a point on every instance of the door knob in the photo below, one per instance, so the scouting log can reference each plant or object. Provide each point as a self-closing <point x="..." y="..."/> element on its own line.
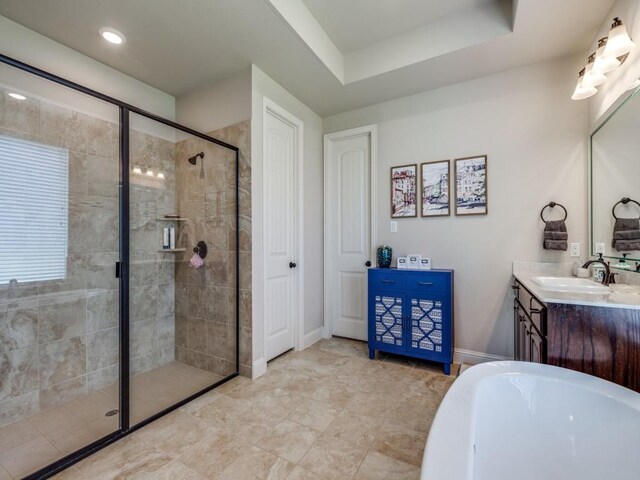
<point x="292" y="265"/>
<point x="368" y="264"/>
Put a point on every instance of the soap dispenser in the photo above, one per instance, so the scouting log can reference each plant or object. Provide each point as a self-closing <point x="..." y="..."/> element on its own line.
<point x="622" y="264"/>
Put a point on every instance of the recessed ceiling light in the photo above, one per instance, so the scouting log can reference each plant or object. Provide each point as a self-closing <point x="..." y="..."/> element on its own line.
<point x="112" y="35"/>
<point x="17" y="96"/>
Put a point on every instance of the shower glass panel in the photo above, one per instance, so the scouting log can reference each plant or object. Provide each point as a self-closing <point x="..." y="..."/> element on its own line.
<point x="183" y="330"/>
<point x="59" y="298"/>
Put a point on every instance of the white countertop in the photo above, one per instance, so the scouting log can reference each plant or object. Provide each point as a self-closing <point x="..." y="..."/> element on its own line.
<point x="525" y="271"/>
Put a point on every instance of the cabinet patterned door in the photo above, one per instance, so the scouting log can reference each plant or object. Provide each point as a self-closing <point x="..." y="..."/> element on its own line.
<point x="388" y="319"/>
<point x="426" y="327"/>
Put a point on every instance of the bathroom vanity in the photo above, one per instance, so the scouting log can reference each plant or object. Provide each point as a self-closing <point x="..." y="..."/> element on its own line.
<point x="586" y="332"/>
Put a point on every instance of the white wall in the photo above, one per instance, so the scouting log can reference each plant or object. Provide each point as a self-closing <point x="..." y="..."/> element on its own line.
<point x="535" y="138"/>
<point x="22" y="44"/>
<point x="221" y="104"/>
<point x="264" y="86"/>
<point x="610" y="93"/>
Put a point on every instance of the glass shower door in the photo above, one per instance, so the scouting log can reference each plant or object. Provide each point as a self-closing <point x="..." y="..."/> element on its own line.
<point x="59" y="298"/>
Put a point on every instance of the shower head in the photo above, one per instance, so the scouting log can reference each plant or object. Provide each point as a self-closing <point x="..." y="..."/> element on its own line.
<point x="194" y="159"/>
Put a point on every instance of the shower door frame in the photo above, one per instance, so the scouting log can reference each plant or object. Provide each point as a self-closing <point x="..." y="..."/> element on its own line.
<point x="122" y="267"/>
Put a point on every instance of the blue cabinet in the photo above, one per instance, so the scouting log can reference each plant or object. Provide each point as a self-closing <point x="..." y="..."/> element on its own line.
<point x="411" y="313"/>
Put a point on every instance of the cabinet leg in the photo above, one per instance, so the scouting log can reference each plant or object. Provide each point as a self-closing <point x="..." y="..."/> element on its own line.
<point x="372" y="353"/>
<point x="447" y="368"/>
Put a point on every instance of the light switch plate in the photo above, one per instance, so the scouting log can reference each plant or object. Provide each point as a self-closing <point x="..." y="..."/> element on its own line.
<point x="599" y="248"/>
<point x="575" y="249"/>
<point x="394" y="227"/>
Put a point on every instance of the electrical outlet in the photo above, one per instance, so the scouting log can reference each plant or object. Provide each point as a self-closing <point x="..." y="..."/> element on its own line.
<point x="575" y="249"/>
<point x="394" y="227"/>
<point x="599" y="248"/>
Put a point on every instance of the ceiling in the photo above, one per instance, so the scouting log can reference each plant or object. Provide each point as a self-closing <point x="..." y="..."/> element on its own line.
<point x="356" y="24"/>
<point x="334" y="55"/>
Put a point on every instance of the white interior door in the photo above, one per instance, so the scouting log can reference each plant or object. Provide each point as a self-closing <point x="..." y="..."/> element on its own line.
<point x="280" y="293"/>
<point x="348" y="231"/>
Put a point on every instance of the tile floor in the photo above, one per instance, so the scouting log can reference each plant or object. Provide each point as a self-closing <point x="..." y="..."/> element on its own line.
<point x="36" y="441"/>
<point x="327" y="412"/>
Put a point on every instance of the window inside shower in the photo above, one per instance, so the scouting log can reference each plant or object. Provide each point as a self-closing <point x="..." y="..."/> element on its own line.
<point x="118" y="269"/>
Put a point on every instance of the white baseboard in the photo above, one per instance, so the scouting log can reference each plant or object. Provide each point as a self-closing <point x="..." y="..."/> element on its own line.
<point x="469" y="357"/>
<point x="259" y="368"/>
<point x="312" y="337"/>
<point x="325" y="332"/>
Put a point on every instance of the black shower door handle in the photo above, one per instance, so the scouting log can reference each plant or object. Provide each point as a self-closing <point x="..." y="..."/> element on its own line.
<point x="292" y="265"/>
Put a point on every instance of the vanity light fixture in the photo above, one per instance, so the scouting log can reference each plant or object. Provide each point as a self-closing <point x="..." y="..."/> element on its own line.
<point x="619" y="42"/>
<point x="161" y="175"/>
<point x="591" y="78"/>
<point x="583" y="91"/>
<point x="17" y="96"/>
<point x="112" y="35"/>
<point x="604" y="63"/>
<point x="137" y="170"/>
<point x="149" y="173"/>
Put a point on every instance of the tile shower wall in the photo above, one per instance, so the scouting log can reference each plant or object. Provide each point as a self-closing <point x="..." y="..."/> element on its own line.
<point x="59" y="339"/>
<point x="205" y="298"/>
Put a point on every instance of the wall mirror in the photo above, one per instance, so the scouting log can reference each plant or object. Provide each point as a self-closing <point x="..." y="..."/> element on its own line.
<point x="615" y="184"/>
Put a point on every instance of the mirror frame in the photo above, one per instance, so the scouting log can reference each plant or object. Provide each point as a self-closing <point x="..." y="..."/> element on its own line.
<point x="615" y="107"/>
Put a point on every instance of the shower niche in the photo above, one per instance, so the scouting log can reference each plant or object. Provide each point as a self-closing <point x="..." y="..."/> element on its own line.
<point x="102" y="327"/>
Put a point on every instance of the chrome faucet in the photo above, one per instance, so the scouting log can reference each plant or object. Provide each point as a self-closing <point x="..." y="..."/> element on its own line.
<point x="607" y="277"/>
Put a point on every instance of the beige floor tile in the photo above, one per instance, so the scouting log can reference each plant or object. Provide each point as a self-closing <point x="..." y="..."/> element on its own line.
<point x="380" y="467"/>
<point x="4" y="475"/>
<point x="314" y="414"/>
<point x="290" y="440"/>
<point x="176" y="432"/>
<point x="333" y="458"/>
<point x="28" y="457"/>
<point x="256" y="464"/>
<point x="299" y="473"/>
<point x="16" y="434"/>
<point x="350" y="428"/>
<point x="222" y="409"/>
<point x="71" y="473"/>
<point x="174" y="470"/>
<point x="215" y="452"/>
<point x="254" y="425"/>
<point x="400" y="443"/>
<point x="127" y="458"/>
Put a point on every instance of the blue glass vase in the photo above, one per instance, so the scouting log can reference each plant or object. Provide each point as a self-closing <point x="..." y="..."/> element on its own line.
<point x="384" y="256"/>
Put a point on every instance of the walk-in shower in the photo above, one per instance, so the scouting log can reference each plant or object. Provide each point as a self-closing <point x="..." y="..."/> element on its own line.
<point x="111" y="312"/>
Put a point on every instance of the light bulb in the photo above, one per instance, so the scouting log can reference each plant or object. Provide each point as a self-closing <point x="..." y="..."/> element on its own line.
<point x="619" y="42"/>
<point x="602" y="63"/>
<point x="112" y="35"/>
<point x="137" y="169"/>
<point x="581" y="92"/>
<point x="150" y="173"/>
<point x="161" y="175"/>
<point x="591" y="78"/>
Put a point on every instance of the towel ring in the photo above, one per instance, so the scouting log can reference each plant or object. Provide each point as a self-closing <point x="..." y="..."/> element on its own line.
<point x="551" y="205"/>
<point x="624" y="201"/>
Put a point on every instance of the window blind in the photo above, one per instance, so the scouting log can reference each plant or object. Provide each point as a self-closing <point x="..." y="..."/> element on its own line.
<point x="34" y="199"/>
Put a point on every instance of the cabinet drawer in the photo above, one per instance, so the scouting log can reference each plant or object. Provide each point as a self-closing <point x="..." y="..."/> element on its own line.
<point x="391" y="281"/>
<point x="534" y="309"/>
<point x="426" y="282"/>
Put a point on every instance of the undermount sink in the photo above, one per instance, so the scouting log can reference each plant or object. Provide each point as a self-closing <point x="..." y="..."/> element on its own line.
<point x="628" y="294"/>
<point x="571" y="284"/>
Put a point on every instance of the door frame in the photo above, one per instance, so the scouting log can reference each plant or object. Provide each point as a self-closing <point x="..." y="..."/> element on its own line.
<point x="372" y="131"/>
<point x="269" y="107"/>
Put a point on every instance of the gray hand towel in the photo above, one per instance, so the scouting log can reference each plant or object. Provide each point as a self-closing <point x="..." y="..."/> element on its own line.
<point x="626" y="234"/>
<point x="555" y="235"/>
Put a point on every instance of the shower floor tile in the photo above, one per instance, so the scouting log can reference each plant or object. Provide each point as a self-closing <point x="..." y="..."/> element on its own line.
<point x="36" y="441"/>
<point x="320" y="413"/>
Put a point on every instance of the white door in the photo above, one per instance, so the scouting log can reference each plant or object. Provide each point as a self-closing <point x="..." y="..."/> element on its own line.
<point x="348" y="230"/>
<point x="280" y="293"/>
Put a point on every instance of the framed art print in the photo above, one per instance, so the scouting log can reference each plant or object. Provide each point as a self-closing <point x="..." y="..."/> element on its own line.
<point x="403" y="191"/>
<point x="434" y="184"/>
<point x="471" y="185"/>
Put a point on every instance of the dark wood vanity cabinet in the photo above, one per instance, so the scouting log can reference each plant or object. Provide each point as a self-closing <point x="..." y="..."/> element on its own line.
<point x="530" y="317"/>
<point x="600" y="341"/>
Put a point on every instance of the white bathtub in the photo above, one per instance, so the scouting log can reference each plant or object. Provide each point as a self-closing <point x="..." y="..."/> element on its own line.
<point x="525" y="421"/>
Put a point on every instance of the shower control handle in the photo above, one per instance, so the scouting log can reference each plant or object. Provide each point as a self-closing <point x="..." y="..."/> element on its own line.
<point x="368" y="264"/>
<point x="292" y="265"/>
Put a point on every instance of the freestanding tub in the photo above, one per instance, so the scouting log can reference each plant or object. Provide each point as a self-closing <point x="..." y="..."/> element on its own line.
<point x="526" y="421"/>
